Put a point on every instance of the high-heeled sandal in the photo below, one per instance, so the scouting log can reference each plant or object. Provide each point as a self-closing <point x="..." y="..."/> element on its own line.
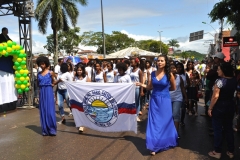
<point x="230" y="155"/>
<point x="152" y="153"/>
<point x="214" y="154"/>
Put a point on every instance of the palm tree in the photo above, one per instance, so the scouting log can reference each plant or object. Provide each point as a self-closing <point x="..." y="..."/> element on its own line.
<point x="58" y="12"/>
<point x="173" y="43"/>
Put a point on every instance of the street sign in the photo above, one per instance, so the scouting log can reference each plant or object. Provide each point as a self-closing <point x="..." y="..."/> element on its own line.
<point x="196" y="36"/>
<point x="230" y="42"/>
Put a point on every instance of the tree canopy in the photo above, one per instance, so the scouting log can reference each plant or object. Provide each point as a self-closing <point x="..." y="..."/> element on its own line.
<point x="152" y="45"/>
<point x="58" y="13"/>
<point x="67" y="40"/>
<point x="230" y="10"/>
<point x="113" y="42"/>
<point x="173" y="43"/>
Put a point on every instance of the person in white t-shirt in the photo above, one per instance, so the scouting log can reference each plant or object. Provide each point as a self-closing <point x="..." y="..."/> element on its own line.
<point x="57" y="67"/>
<point x="89" y="69"/>
<point x="62" y="90"/>
<point x="110" y="73"/>
<point x="99" y="75"/>
<point x="81" y="75"/>
<point x="57" y="71"/>
<point x="122" y="76"/>
<point x="128" y="71"/>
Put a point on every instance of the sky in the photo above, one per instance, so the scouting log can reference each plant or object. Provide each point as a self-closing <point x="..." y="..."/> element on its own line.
<point x="139" y="19"/>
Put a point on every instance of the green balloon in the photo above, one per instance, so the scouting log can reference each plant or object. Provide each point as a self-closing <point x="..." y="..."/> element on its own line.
<point x="18" y="52"/>
<point x="14" y="43"/>
<point x="13" y="52"/>
<point x="25" y="75"/>
<point x="1" y="48"/>
<point x="26" y="89"/>
<point x="6" y="54"/>
<point x="20" y="55"/>
<point x="23" y="62"/>
<point x="4" y="47"/>
<point x="21" y="47"/>
<point x="19" y="82"/>
<point x="20" y="91"/>
<point x="25" y="82"/>
<point x="9" y="44"/>
<point x="18" y="75"/>
<point x="19" y="68"/>
<point x="24" y="55"/>
<point x="16" y="63"/>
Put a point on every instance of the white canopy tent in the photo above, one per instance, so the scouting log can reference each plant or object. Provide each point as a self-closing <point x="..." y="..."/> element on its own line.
<point x="131" y="51"/>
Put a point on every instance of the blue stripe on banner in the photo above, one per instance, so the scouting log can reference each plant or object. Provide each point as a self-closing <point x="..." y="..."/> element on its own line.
<point x="126" y="105"/>
<point x="72" y="101"/>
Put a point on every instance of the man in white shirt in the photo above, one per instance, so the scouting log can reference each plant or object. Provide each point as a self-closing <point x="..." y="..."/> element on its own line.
<point x="57" y="67"/>
<point x="57" y="72"/>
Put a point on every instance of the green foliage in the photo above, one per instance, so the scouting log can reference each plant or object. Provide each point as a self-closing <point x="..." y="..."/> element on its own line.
<point x="152" y="46"/>
<point x="190" y="55"/>
<point x="58" y="13"/>
<point x="173" y="43"/>
<point x="67" y="40"/>
<point x="230" y="10"/>
<point x="113" y="43"/>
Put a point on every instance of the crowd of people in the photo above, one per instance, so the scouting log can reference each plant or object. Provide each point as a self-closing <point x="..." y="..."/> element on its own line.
<point x="170" y="88"/>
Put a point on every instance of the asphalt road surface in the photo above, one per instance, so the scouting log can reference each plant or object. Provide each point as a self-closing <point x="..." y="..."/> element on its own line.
<point x="21" y="139"/>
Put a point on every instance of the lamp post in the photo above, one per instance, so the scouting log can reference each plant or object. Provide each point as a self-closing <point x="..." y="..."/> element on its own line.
<point x="210" y="26"/>
<point x="160" y="41"/>
<point x="220" y="35"/>
<point x="104" y="48"/>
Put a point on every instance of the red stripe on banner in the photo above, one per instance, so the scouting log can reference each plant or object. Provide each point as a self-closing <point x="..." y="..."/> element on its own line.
<point x="125" y="110"/>
<point x="77" y="107"/>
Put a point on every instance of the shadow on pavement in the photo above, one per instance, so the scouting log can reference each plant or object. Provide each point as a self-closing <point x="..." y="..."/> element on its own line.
<point x="139" y="143"/>
<point x="35" y="128"/>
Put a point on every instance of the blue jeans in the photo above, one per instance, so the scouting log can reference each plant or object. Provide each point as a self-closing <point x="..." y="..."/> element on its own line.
<point x="222" y="121"/>
<point x="61" y="95"/>
<point x="176" y="106"/>
<point x="137" y="99"/>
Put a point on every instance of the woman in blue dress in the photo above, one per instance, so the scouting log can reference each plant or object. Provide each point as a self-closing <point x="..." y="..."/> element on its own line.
<point x="46" y="98"/>
<point x="161" y="133"/>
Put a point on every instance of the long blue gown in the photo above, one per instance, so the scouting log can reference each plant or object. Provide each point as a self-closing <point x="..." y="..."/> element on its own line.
<point x="47" y="105"/>
<point x="161" y="133"/>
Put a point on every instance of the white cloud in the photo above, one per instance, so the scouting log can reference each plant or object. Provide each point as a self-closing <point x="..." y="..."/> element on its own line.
<point x="115" y="16"/>
<point x="199" y="45"/>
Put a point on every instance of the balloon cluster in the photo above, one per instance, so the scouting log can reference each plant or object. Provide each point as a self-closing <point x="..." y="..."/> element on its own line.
<point x="10" y="48"/>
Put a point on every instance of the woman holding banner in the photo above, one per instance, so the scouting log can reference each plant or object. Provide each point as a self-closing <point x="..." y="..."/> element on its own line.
<point x="161" y="133"/>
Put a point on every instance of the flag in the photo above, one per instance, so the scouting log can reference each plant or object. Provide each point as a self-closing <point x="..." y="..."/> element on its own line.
<point x="105" y="107"/>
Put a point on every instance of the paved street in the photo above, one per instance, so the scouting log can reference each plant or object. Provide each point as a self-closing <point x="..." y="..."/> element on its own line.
<point x="21" y="139"/>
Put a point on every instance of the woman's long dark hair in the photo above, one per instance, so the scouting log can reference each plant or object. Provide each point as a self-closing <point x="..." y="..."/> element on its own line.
<point x="167" y="67"/>
<point x="180" y="65"/>
<point x="187" y="69"/>
<point x="83" y="70"/>
<point x="227" y="69"/>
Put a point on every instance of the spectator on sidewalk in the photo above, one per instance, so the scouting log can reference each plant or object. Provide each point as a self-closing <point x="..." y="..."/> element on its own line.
<point x="221" y="109"/>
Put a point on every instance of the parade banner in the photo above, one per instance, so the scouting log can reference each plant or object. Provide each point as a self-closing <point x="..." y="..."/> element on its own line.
<point x="105" y="107"/>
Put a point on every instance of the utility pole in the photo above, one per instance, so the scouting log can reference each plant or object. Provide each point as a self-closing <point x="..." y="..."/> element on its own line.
<point x="160" y="41"/>
<point x="220" y="36"/>
<point x="103" y="35"/>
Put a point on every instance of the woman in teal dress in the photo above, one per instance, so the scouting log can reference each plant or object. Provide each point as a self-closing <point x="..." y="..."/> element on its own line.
<point x="161" y="133"/>
<point x="46" y="98"/>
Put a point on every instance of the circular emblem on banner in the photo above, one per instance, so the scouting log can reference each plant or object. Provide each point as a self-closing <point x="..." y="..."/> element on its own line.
<point x="100" y="108"/>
